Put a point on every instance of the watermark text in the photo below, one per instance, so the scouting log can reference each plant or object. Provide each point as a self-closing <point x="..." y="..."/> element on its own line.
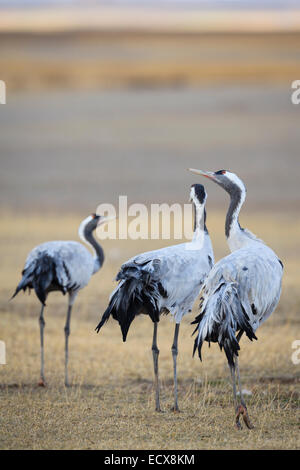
<point x="2" y="92"/>
<point x="295" y="97"/>
<point x="296" y="354"/>
<point x="138" y="221"/>
<point x="2" y="353"/>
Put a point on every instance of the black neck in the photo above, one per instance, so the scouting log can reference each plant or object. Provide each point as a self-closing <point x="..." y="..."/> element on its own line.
<point x="202" y="222"/>
<point x="232" y="216"/>
<point x="97" y="247"/>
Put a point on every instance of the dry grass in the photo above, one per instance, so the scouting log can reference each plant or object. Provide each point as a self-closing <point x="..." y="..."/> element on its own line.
<point x="111" y="401"/>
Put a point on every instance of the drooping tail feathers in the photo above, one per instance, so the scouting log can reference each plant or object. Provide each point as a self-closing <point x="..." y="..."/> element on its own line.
<point x="136" y="293"/>
<point x="39" y="275"/>
<point x="222" y="315"/>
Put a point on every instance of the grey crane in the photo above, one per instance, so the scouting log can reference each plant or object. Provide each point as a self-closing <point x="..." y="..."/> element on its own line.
<point x="163" y="281"/>
<point x="242" y="289"/>
<point x="64" y="266"/>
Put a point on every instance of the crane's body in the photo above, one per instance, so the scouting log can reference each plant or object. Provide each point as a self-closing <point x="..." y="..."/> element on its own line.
<point x="166" y="268"/>
<point x="242" y="289"/>
<point x="248" y="285"/>
<point x="64" y="266"/>
<point x="163" y="281"/>
<point x="72" y="266"/>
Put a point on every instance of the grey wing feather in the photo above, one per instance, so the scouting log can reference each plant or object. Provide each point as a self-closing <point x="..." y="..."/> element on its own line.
<point x="240" y="292"/>
<point x="180" y="272"/>
<point x="73" y="262"/>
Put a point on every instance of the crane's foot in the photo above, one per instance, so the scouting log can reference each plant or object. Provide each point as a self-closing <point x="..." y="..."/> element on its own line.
<point x="41" y="382"/>
<point x="175" y="409"/>
<point x="237" y="422"/>
<point x="242" y="411"/>
<point x="159" y="410"/>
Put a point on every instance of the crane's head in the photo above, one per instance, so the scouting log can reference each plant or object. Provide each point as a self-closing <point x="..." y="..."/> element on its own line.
<point x="90" y="224"/>
<point x="224" y="178"/>
<point x="198" y="194"/>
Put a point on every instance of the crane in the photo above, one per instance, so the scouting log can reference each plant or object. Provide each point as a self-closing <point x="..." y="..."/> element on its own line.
<point x="242" y="289"/>
<point x="163" y="281"/>
<point x="64" y="266"/>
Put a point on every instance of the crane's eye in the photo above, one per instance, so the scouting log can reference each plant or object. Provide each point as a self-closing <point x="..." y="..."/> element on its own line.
<point x="94" y="216"/>
<point x="220" y="172"/>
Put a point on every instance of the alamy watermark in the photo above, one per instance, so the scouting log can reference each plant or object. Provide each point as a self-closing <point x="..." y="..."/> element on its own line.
<point x="2" y="92"/>
<point x="295" y="97"/>
<point x="296" y="354"/>
<point x="2" y="353"/>
<point x="138" y="221"/>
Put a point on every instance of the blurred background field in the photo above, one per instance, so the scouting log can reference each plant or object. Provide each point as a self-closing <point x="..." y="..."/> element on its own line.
<point x="101" y="108"/>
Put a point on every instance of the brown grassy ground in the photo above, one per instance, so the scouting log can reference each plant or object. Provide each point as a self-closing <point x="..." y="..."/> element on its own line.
<point x="111" y="401"/>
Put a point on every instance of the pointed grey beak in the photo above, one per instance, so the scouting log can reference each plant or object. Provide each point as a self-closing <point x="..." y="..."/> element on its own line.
<point x="207" y="174"/>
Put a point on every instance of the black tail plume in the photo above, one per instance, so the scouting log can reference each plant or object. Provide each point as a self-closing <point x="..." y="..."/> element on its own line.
<point x="132" y="297"/>
<point x="222" y="316"/>
<point x="38" y="275"/>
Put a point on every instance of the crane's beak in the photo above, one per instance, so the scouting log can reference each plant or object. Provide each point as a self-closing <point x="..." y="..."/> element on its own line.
<point x="207" y="174"/>
<point x="104" y="220"/>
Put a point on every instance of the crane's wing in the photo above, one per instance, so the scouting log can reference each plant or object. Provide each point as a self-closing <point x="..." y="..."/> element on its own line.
<point x="239" y="293"/>
<point x="177" y="271"/>
<point x="58" y="265"/>
<point x="256" y="274"/>
<point x="162" y="280"/>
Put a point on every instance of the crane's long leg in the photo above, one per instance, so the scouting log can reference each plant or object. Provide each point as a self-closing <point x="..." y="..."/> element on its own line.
<point x="72" y="297"/>
<point x="175" y="354"/>
<point x="42" y="323"/>
<point x="239" y="381"/>
<point x="233" y="381"/>
<point x="155" y="353"/>
<point x="67" y="334"/>
<point x="242" y="409"/>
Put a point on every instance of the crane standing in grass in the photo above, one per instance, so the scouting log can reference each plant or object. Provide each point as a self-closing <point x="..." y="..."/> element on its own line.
<point x="162" y="281"/>
<point x="242" y="289"/>
<point x="65" y="266"/>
